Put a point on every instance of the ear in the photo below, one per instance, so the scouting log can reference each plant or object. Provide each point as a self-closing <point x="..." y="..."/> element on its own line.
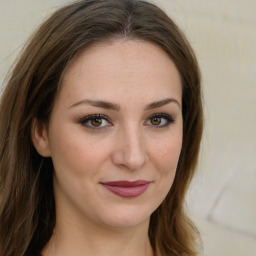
<point x="39" y="138"/>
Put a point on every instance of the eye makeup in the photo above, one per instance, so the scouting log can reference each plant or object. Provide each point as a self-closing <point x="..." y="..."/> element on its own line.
<point x="96" y="122"/>
<point x="160" y="120"/>
<point x="99" y="122"/>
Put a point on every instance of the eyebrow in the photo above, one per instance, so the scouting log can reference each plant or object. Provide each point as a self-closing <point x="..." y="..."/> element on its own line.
<point x="98" y="103"/>
<point x="116" y="107"/>
<point x="158" y="104"/>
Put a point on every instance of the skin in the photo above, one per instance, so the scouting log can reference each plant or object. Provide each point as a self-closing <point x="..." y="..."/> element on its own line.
<point x="129" y="145"/>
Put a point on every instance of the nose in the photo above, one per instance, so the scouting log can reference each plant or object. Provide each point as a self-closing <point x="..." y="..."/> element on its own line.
<point x="130" y="150"/>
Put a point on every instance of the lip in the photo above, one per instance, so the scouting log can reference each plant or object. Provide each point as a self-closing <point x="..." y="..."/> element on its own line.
<point x="127" y="189"/>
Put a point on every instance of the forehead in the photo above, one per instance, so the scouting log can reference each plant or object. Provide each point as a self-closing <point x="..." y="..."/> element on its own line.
<point x="130" y="68"/>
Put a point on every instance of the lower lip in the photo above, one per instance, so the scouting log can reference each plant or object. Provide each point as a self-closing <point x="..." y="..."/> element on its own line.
<point x="127" y="191"/>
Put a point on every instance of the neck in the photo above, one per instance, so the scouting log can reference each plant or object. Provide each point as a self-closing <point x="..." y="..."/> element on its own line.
<point x="72" y="238"/>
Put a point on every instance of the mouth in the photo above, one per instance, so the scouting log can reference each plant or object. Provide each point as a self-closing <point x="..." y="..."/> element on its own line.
<point x="127" y="189"/>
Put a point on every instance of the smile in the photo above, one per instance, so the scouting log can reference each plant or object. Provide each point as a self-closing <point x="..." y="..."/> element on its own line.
<point x="127" y="188"/>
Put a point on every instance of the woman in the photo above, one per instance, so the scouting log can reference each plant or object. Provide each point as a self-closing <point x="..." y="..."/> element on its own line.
<point x="100" y="127"/>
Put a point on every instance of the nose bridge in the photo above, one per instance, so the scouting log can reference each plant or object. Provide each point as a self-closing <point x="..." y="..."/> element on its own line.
<point x="132" y="151"/>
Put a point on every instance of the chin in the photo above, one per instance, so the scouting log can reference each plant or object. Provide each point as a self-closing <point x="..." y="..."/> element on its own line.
<point x="127" y="218"/>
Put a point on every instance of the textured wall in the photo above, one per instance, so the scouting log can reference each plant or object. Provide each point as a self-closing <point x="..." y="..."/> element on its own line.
<point x="222" y="33"/>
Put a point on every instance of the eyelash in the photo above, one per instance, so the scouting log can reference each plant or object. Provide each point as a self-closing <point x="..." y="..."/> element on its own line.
<point x="169" y="120"/>
<point x="85" y="121"/>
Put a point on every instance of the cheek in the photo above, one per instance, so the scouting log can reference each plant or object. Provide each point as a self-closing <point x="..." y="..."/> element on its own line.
<point x="75" y="153"/>
<point x="167" y="154"/>
<point x="166" y="157"/>
<point x="76" y="163"/>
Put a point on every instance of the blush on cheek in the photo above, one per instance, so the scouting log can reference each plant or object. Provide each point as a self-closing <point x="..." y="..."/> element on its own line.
<point x="169" y="152"/>
<point x="168" y="158"/>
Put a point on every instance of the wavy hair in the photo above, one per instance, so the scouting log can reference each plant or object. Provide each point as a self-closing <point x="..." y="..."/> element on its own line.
<point x="27" y="208"/>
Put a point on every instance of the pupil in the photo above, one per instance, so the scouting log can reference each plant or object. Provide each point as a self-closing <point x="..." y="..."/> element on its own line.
<point x="156" y="121"/>
<point x="96" y="122"/>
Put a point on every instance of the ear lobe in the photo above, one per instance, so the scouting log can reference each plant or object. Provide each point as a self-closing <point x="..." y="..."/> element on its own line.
<point x="39" y="138"/>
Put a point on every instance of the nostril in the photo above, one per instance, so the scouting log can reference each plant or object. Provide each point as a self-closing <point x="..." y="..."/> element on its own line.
<point x="134" y="158"/>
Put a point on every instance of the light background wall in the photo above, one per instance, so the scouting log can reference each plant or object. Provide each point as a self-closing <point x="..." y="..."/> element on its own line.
<point x="222" y="32"/>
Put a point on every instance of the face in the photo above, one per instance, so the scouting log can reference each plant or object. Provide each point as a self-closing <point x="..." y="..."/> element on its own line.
<point x="115" y="134"/>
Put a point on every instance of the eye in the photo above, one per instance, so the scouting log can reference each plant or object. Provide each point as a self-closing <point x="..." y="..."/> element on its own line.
<point x="159" y="120"/>
<point x="95" y="121"/>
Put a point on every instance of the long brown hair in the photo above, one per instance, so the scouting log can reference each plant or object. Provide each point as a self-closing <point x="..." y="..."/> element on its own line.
<point x="27" y="209"/>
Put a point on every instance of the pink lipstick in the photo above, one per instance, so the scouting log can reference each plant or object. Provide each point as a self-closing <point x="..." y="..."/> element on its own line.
<point x="125" y="188"/>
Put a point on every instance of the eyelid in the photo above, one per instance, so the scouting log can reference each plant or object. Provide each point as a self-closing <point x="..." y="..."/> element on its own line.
<point x="167" y="117"/>
<point x="86" y="119"/>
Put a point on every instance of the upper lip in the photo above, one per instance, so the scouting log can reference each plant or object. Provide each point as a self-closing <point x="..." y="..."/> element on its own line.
<point x="125" y="183"/>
